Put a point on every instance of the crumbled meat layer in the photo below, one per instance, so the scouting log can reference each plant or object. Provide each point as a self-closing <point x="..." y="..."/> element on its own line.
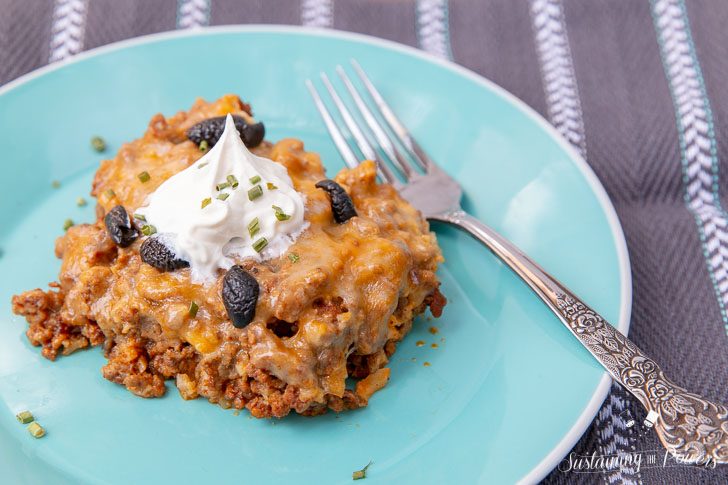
<point x="335" y="312"/>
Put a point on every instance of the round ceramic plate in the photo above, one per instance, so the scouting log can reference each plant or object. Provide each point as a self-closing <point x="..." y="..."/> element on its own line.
<point x="503" y="397"/>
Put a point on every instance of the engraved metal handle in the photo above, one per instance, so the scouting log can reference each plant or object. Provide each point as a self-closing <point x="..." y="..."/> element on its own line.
<point x="691" y="428"/>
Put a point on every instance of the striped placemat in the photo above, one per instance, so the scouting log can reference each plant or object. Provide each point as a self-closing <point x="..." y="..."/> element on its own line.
<point x="637" y="86"/>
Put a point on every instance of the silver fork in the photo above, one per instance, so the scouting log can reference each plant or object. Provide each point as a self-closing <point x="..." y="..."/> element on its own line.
<point x="692" y="428"/>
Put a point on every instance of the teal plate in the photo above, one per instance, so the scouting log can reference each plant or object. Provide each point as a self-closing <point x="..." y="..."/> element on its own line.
<point x="508" y="391"/>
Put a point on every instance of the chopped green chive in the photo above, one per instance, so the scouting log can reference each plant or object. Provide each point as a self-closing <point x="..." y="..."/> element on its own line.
<point x="140" y="217"/>
<point x="255" y="180"/>
<point x="280" y="215"/>
<point x="361" y="474"/>
<point x="206" y="202"/>
<point x="193" y="309"/>
<point x="203" y="164"/>
<point x="223" y="196"/>
<point x="271" y="186"/>
<point x="25" y="417"/>
<point x="144" y="177"/>
<point x="253" y="227"/>
<point x="36" y="430"/>
<point x="80" y="202"/>
<point x="221" y="186"/>
<point x="204" y="146"/>
<point x="232" y="181"/>
<point x="148" y="229"/>
<point x="98" y="144"/>
<point x="110" y="193"/>
<point x="67" y="224"/>
<point x="293" y="257"/>
<point x="55" y="184"/>
<point x="255" y="192"/>
<point x="260" y="244"/>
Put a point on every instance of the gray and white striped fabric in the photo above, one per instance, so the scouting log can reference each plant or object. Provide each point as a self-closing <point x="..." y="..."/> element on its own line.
<point x="637" y="86"/>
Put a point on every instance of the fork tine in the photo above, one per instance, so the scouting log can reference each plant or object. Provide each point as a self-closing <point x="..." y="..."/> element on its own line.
<point x="384" y="141"/>
<point x="394" y="123"/>
<point x="346" y="153"/>
<point x="385" y="173"/>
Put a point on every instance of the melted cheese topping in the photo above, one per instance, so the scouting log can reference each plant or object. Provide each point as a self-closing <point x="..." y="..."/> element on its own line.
<point x="355" y="286"/>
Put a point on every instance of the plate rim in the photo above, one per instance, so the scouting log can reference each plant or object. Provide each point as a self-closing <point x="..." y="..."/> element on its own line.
<point x="570" y="438"/>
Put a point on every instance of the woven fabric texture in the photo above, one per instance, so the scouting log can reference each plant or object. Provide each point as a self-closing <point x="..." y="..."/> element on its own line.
<point x="638" y="86"/>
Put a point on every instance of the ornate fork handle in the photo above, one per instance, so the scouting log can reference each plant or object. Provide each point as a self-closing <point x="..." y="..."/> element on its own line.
<point x="692" y="428"/>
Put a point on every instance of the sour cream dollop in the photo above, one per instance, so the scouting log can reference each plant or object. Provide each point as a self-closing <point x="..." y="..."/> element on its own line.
<point x="209" y="227"/>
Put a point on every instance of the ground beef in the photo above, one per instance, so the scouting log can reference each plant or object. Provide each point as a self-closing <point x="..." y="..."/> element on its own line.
<point x="436" y="302"/>
<point x="144" y="362"/>
<point x="129" y="366"/>
<point x="45" y="327"/>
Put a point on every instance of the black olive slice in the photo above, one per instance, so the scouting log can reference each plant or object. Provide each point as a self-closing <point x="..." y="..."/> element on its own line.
<point x="240" y="295"/>
<point x="155" y="253"/>
<point x="252" y="135"/>
<point x="210" y="130"/>
<point x="341" y="204"/>
<point x="120" y="228"/>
